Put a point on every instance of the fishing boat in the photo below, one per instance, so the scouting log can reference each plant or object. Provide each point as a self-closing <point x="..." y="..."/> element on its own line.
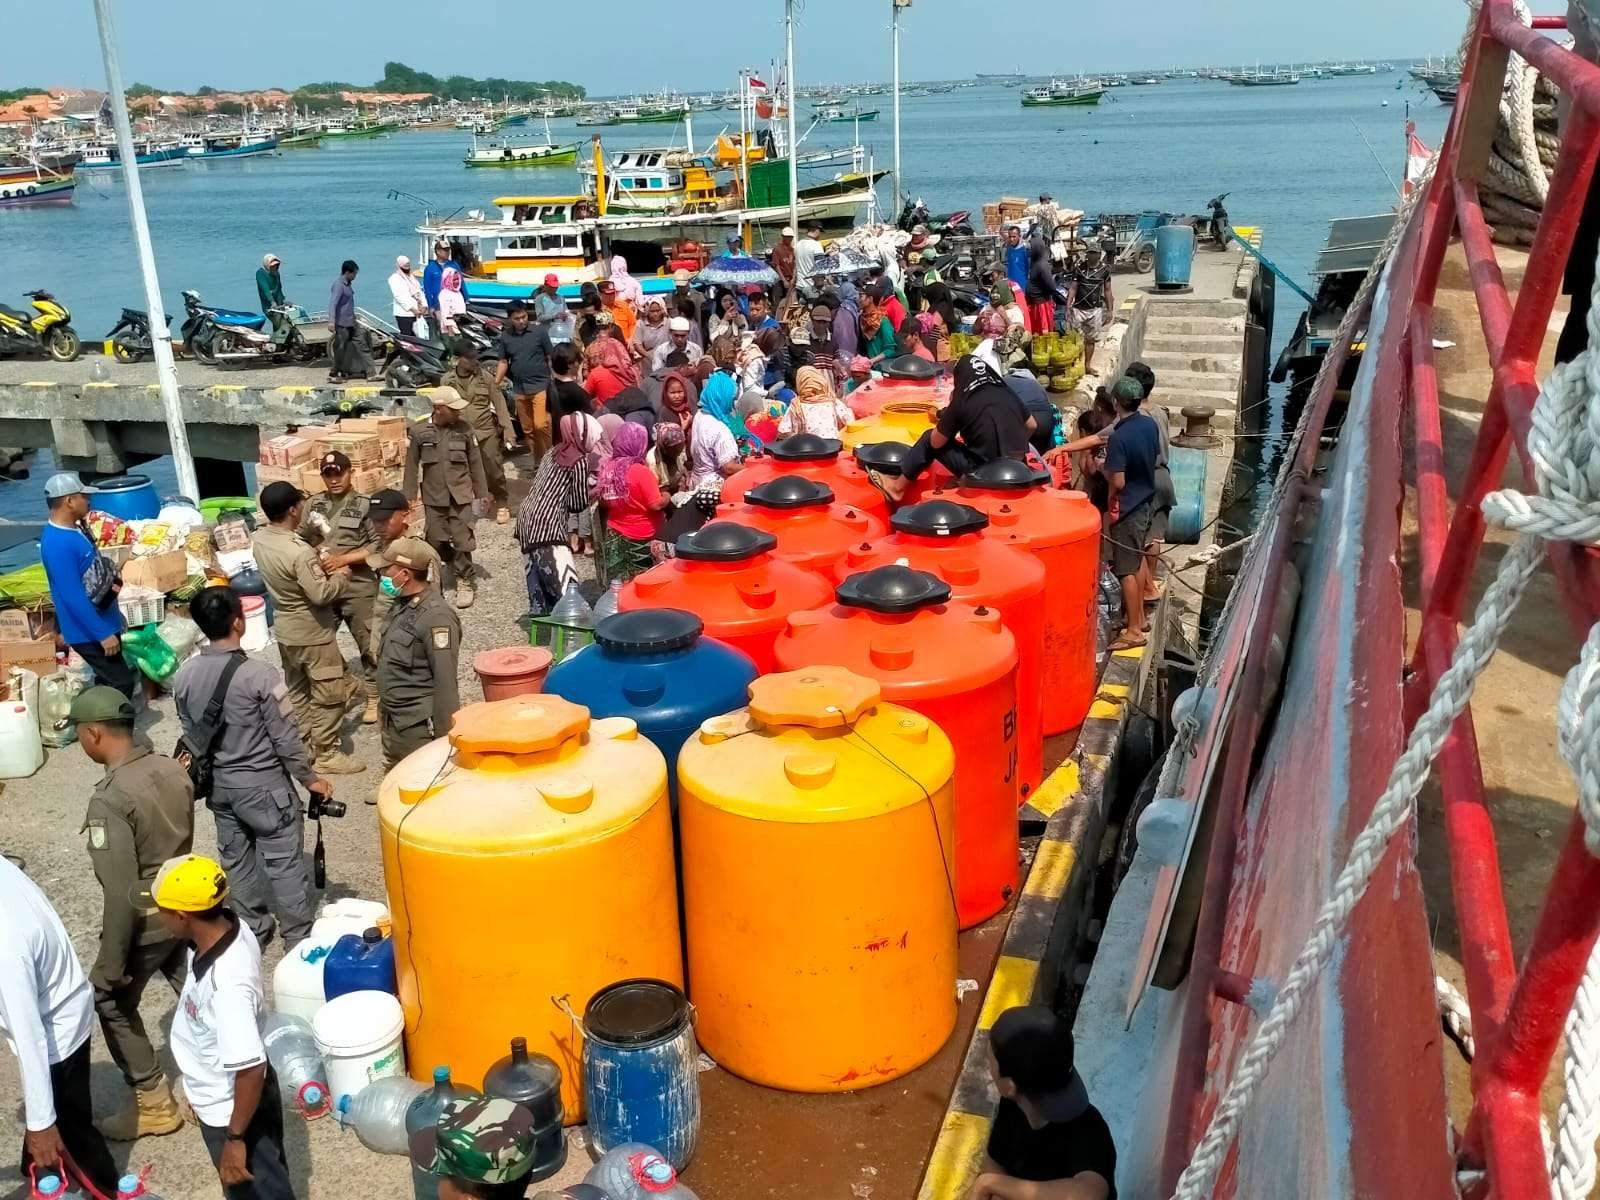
<point x="520" y="154"/>
<point x="242" y="144"/>
<point x="1146" y="80"/>
<point x="843" y="116"/>
<point x="37" y="187"/>
<point x="1260" y="78"/>
<point x="103" y="156"/>
<point x="358" y="129"/>
<point x="595" y="118"/>
<point x="304" y="139"/>
<point x="1003" y="78"/>
<point x="649" y="114"/>
<point x="1057" y="94"/>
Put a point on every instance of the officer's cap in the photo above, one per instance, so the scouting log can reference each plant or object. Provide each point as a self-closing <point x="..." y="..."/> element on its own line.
<point x="101" y="704"/>
<point x="411" y="553"/>
<point x="334" y="462"/>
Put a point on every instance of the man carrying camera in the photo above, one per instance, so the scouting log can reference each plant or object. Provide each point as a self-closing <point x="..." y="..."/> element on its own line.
<point x="256" y="758"/>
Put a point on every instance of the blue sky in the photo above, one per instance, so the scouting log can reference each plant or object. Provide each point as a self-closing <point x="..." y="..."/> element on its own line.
<point x="626" y="45"/>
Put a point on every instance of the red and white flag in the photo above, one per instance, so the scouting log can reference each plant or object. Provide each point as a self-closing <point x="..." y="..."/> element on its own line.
<point x="1417" y="156"/>
<point x="757" y="84"/>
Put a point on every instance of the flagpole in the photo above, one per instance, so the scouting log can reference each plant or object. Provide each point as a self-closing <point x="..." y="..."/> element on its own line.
<point x="160" y="335"/>
<point x="794" y="168"/>
<point x="896" y="6"/>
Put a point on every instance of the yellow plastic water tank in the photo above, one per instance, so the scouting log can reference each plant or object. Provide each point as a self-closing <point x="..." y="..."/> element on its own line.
<point x="528" y="858"/>
<point x="818" y="870"/>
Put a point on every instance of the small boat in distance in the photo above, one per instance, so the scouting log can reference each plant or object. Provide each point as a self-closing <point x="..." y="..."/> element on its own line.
<point x="33" y="185"/>
<point x="1057" y="94"/>
<point x="103" y="156"/>
<point x="838" y="115"/>
<point x="514" y="154"/>
<point x="1260" y="78"/>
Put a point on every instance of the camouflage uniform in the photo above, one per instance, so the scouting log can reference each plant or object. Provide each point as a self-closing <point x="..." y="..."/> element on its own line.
<point x="478" y="1141"/>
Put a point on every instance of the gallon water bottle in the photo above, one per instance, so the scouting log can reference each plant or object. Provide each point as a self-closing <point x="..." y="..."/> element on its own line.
<point x="606" y="606"/>
<point x="131" y="1187"/>
<point x="423" y="1113"/>
<point x="292" y="1050"/>
<point x="51" y="1186"/>
<point x="533" y="1081"/>
<point x="572" y="610"/>
<point x="377" y="1113"/>
<point x="636" y="1172"/>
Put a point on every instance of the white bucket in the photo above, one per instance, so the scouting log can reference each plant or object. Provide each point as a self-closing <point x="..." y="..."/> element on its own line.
<point x="360" y="1036"/>
<point x="297" y="979"/>
<point x="256" y="634"/>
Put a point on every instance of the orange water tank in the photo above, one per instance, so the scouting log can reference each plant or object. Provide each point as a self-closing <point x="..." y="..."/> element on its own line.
<point x="811" y="457"/>
<point x="729" y="577"/>
<point x="956" y="664"/>
<point x="1000" y="570"/>
<point x="887" y="457"/>
<point x="868" y="399"/>
<point x="817" y="831"/>
<point x="1064" y="530"/>
<point x="812" y="531"/>
<point x="897" y="421"/>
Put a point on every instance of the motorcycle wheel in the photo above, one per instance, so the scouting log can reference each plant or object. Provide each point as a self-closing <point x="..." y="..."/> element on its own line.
<point x="202" y="349"/>
<point x="222" y="343"/>
<point x="62" y="343"/>
<point x="400" y="378"/>
<point x="123" y="352"/>
<point x="1144" y="261"/>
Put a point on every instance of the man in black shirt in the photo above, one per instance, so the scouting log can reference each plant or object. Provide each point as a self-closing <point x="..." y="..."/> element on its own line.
<point x="524" y="351"/>
<point x="1048" y="1141"/>
<point x="1089" y="301"/>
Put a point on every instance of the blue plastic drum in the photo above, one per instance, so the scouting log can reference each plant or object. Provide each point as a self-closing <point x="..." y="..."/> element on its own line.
<point x="654" y="666"/>
<point x="131" y="497"/>
<point x="1174" y="255"/>
<point x="1189" y="468"/>
<point x="641" y="1076"/>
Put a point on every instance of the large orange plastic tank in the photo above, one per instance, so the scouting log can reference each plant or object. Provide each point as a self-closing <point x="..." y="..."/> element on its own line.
<point x="811" y="457"/>
<point x="898" y="421"/>
<point x="812" y="531"/>
<point x="817" y="832"/>
<point x="887" y="458"/>
<point x="1064" y="530"/>
<point x="956" y="664"/>
<point x="981" y="567"/>
<point x="729" y="577"/>
<point x="526" y="809"/>
<point x="868" y="399"/>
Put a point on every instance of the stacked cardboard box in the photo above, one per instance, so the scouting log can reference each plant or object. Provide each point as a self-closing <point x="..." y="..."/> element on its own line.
<point x="288" y="451"/>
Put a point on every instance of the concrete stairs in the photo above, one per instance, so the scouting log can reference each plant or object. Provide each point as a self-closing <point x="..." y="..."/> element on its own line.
<point x="1196" y="349"/>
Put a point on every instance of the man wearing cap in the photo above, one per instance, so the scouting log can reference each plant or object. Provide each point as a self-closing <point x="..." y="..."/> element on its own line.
<point x="1048" y="1142"/>
<point x="783" y="262"/>
<point x="806" y="252"/>
<point x="490" y="422"/>
<point x="433" y="275"/>
<point x="687" y="302"/>
<point x="256" y="759"/>
<point x="523" y="350"/>
<point x="819" y="351"/>
<point x="677" y="343"/>
<point x="140" y="814"/>
<point x="391" y="519"/>
<point x="480" y="1149"/>
<point x="620" y="310"/>
<point x="550" y="310"/>
<point x="444" y="467"/>
<point x="90" y="625"/>
<point x="338" y="525"/>
<point x="305" y="593"/>
<point x="216" y="1031"/>
<point x="418" y="656"/>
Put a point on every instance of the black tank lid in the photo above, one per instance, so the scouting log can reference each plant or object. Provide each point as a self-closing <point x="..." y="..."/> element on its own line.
<point x="805" y="447"/>
<point x="1006" y="474"/>
<point x="635" y="1012"/>
<point x="910" y="366"/>
<point x="790" y="491"/>
<point x="724" y="541"/>
<point x="882" y="456"/>
<point x="938" y="518"/>
<point x="892" y="589"/>
<point x="649" y="631"/>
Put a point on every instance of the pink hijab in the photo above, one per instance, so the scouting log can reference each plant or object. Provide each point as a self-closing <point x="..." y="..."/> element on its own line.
<point x="628" y="288"/>
<point x="628" y="446"/>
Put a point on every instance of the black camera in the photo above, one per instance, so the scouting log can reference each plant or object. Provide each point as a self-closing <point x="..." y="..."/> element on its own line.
<point x="323" y="806"/>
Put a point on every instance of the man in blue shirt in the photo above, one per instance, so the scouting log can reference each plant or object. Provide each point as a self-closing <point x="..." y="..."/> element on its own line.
<point x="1018" y="261"/>
<point x="349" y="352"/>
<point x="1131" y="458"/>
<point x="433" y="277"/>
<point x="94" y="631"/>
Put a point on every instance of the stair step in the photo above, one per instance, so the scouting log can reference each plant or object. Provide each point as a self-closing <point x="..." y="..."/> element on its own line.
<point x="1172" y="326"/>
<point x="1199" y="362"/>
<point x="1178" y="388"/>
<point x="1196" y="344"/>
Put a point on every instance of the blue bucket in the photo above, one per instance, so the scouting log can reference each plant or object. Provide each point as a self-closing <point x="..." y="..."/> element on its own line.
<point x="131" y="497"/>
<point x="1174" y="256"/>
<point x="641" y="1079"/>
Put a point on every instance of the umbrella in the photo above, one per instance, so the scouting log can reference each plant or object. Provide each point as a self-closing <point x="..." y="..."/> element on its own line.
<point x="738" y="271"/>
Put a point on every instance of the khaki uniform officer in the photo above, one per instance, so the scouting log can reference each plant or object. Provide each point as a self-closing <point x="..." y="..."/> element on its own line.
<point x="443" y="466"/>
<point x="339" y="525"/>
<point x="391" y="519"/>
<point x="418" y="657"/>
<point x="305" y="592"/>
<point x="140" y="814"/>
<point x="486" y="414"/>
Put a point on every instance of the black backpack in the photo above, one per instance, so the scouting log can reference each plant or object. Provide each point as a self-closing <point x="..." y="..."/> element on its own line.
<point x="197" y="753"/>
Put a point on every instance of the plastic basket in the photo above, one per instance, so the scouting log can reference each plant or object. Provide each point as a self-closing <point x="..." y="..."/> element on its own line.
<point x="141" y="606"/>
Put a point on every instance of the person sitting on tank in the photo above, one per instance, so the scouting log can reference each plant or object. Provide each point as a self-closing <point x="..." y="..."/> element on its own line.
<point x="983" y="421"/>
<point x="1047" y="1142"/>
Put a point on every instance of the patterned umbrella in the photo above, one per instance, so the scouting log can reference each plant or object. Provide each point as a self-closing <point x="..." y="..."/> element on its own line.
<point x="738" y="271"/>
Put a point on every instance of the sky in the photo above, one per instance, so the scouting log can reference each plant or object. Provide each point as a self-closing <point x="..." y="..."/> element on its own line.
<point x="621" y="46"/>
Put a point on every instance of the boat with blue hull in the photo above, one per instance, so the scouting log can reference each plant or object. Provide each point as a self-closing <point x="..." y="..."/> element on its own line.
<point x="99" y="156"/>
<point x="228" y="145"/>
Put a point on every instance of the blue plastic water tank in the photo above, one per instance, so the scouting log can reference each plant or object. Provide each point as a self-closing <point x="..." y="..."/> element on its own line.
<point x="360" y="963"/>
<point x="1188" y="467"/>
<point x="131" y="497"/>
<point x="1174" y="255"/>
<point x="654" y="666"/>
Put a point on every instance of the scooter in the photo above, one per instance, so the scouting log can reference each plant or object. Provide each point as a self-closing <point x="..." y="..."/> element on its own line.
<point x="275" y="338"/>
<point x="130" y="339"/>
<point x="202" y="321"/>
<point x="414" y="362"/>
<point x="46" y="330"/>
<point x="916" y="213"/>
<point x="1218" y="230"/>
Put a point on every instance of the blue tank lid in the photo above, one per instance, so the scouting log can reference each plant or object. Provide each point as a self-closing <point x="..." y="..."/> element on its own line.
<point x="790" y="491"/>
<point x="649" y="631"/>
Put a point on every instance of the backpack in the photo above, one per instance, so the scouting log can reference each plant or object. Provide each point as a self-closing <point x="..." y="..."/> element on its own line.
<point x="196" y="753"/>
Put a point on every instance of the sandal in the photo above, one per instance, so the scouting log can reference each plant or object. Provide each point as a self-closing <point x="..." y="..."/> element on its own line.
<point x="875" y="478"/>
<point x="1129" y="641"/>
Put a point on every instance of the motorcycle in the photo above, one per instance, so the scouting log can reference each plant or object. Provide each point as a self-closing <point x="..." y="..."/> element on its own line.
<point x="130" y="339"/>
<point x="1217" y="229"/>
<point x="218" y="336"/>
<point x="413" y="362"/>
<point x="916" y="213"/>
<point x="46" y="330"/>
<point x="201" y="323"/>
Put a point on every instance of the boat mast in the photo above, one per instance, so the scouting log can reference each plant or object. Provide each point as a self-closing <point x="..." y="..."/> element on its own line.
<point x="794" y="149"/>
<point x="896" y="6"/>
<point x="160" y="335"/>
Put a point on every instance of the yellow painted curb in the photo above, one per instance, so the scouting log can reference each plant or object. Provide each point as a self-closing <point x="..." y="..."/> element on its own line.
<point x="1052" y="869"/>
<point x="1059" y="787"/>
<point x="1011" y="986"/>
<point x="957" y="1157"/>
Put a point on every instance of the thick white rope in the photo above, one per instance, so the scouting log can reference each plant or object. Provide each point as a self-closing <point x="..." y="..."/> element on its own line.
<point x="1572" y="1169"/>
<point x="1456" y="1013"/>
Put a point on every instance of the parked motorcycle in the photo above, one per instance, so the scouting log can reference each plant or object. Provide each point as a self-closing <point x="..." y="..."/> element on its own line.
<point x="1218" y="230"/>
<point x="413" y="362"/>
<point x="916" y="213"/>
<point x="47" y="329"/>
<point x="201" y="322"/>
<point x="220" y="336"/>
<point x="130" y="339"/>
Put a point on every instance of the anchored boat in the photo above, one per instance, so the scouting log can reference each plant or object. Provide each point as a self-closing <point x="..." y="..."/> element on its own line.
<point x="516" y="154"/>
<point x="1057" y="94"/>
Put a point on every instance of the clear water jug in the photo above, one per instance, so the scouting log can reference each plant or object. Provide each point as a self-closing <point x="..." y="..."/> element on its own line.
<point x="606" y="606"/>
<point x="50" y="1186"/>
<point x="572" y="609"/>
<point x="56" y="693"/>
<point x="131" y="1187"/>
<point x="302" y="1077"/>
<point x="423" y="1113"/>
<point x="377" y="1113"/>
<point x="636" y="1172"/>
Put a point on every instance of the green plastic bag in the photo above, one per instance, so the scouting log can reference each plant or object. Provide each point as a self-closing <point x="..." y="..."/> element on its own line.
<point x="145" y="648"/>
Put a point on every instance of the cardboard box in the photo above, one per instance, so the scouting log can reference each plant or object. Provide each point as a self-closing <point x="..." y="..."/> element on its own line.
<point x="368" y="481"/>
<point x="394" y="454"/>
<point x="362" y="449"/>
<point x="37" y="655"/>
<point x="266" y="474"/>
<point x="24" y="625"/>
<point x="387" y="429"/>
<point x="310" y="481"/>
<point x="163" y="572"/>
<point x="231" y="535"/>
<point x="288" y="451"/>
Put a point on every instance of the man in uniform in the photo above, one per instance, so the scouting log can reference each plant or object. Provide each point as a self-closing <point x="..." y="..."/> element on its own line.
<point x="338" y="524"/>
<point x="305" y="592"/>
<point x="486" y="415"/>
<point x="391" y="519"/>
<point x="417" y="659"/>
<point x="443" y="466"/>
<point x="140" y="814"/>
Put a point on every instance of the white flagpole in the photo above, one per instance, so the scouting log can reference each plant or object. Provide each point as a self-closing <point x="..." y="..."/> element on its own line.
<point x="895" y="7"/>
<point x="794" y="169"/>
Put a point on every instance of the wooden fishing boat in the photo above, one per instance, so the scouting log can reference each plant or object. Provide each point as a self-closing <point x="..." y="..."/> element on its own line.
<point x="512" y="154"/>
<point x="1062" y="95"/>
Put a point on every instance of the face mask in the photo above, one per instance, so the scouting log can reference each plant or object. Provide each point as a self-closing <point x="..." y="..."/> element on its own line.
<point x="389" y="587"/>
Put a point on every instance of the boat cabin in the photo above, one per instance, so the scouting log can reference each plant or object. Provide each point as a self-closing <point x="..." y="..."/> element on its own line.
<point x="532" y="236"/>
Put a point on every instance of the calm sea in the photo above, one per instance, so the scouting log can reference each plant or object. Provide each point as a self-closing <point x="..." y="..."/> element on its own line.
<point x="1291" y="157"/>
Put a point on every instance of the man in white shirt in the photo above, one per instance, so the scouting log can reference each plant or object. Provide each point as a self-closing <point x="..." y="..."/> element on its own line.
<point x="409" y="301"/>
<point x="677" y="343"/>
<point x="216" y="1032"/>
<point x="806" y="252"/>
<point x="46" y="1012"/>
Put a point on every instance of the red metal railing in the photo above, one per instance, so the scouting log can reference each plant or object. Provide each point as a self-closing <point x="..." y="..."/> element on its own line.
<point x="1517" y="1018"/>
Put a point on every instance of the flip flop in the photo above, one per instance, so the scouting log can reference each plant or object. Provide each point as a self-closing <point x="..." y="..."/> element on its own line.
<point x="1130" y="641"/>
<point x="875" y="478"/>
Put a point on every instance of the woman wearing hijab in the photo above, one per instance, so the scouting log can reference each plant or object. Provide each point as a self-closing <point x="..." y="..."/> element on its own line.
<point x="651" y="331"/>
<point x="815" y="409"/>
<point x="751" y="368"/>
<point x="631" y="503"/>
<point x="629" y="290"/>
<point x="847" y="322"/>
<point x="560" y="485"/>
<point x="728" y="321"/>
<point x="877" y="333"/>
<point x="889" y="302"/>
<point x="715" y="432"/>
<point x="983" y="421"/>
<point x="936" y="298"/>
<point x="668" y="458"/>
<point x="680" y="400"/>
<point x="1043" y="295"/>
<point x="610" y="368"/>
<point x="451" y="302"/>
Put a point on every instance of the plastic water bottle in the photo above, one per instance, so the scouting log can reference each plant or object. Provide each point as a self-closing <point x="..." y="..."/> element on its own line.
<point x="637" y="1172"/>
<point x="131" y="1187"/>
<point x="609" y="600"/>
<point x="52" y="1187"/>
<point x="302" y="1078"/>
<point x="572" y="610"/>
<point x="423" y="1113"/>
<point x="377" y="1113"/>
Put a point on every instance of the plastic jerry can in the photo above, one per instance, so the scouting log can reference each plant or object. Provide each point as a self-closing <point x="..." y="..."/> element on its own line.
<point x="954" y="542"/>
<point x="729" y="577"/>
<point x="812" y="530"/>
<point x="956" y="664"/>
<point x="808" y="456"/>
<point x="817" y="773"/>
<point x="21" y="749"/>
<point x="359" y="963"/>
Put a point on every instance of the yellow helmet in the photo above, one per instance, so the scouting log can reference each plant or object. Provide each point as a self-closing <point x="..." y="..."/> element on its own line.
<point x="189" y="883"/>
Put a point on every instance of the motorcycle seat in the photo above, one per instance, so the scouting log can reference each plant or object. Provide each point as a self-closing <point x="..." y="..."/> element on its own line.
<point x="244" y="320"/>
<point x="16" y="313"/>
